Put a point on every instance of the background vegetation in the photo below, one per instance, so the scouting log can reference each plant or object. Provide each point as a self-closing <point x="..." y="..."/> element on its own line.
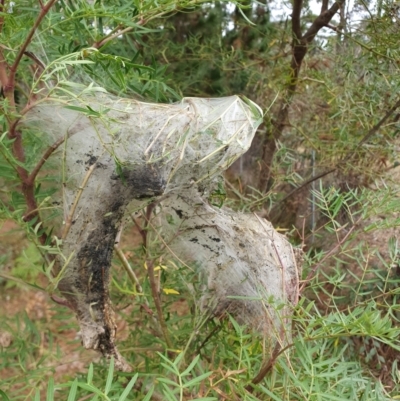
<point x="323" y="168"/>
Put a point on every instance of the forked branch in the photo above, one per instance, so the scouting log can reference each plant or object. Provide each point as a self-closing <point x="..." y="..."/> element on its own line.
<point x="300" y="46"/>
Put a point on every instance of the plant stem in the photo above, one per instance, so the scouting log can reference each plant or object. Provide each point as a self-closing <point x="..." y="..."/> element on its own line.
<point x="68" y="221"/>
<point x="128" y="269"/>
<point x="136" y="282"/>
<point x="152" y="280"/>
<point x="46" y="155"/>
<point x="157" y="302"/>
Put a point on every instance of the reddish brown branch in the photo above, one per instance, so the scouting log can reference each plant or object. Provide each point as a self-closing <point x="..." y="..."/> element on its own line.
<point x="141" y="231"/>
<point x="3" y="69"/>
<point x="46" y="155"/>
<point x="27" y="188"/>
<point x="266" y="368"/>
<point x="13" y="69"/>
<point x="111" y="36"/>
<point x="118" y="31"/>
<point x="7" y="78"/>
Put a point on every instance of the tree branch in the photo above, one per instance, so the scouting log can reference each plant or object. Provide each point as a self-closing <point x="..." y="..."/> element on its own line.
<point x="110" y="37"/>
<point x="3" y="69"/>
<point x="46" y="155"/>
<point x="377" y="126"/>
<point x="299" y="47"/>
<point x="321" y="21"/>
<point x="7" y="78"/>
<point x="296" y="21"/>
<point x="13" y="69"/>
<point x="324" y="6"/>
<point x="114" y="34"/>
<point x="267" y="367"/>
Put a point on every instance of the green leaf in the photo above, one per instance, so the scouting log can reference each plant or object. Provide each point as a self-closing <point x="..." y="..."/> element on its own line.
<point x="110" y="376"/>
<point x="197" y="379"/>
<point x="168" y="393"/>
<point x="128" y="388"/>
<point x="149" y="394"/>
<point x="191" y="366"/>
<point x="92" y="389"/>
<point x="4" y="396"/>
<point x="167" y="381"/>
<point x="73" y="391"/>
<point x="90" y="374"/>
<point x="50" y="390"/>
<point x="169" y="365"/>
<point x="204" y="399"/>
<point x="74" y="62"/>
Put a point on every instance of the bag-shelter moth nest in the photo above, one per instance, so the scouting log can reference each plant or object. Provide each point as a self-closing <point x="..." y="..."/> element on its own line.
<point x="116" y="151"/>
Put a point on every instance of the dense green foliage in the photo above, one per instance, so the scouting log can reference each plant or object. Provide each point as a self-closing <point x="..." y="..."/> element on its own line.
<point x="343" y="118"/>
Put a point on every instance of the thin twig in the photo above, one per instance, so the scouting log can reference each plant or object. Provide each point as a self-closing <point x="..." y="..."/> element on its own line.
<point x="139" y="228"/>
<point x="128" y="268"/>
<point x="152" y="280"/>
<point x="157" y="302"/>
<point x="13" y="69"/>
<point x="376" y="127"/>
<point x="102" y="42"/>
<point x="204" y="342"/>
<point x="265" y="368"/>
<point x="46" y="155"/>
<point x="311" y="273"/>
<point x="33" y="57"/>
<point x="114" y="34"/>
<point x="70" y="217"/>
<point x="131" y="274"/>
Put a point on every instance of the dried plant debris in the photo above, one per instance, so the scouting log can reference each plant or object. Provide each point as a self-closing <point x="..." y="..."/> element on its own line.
<point x="118" y="150"/>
